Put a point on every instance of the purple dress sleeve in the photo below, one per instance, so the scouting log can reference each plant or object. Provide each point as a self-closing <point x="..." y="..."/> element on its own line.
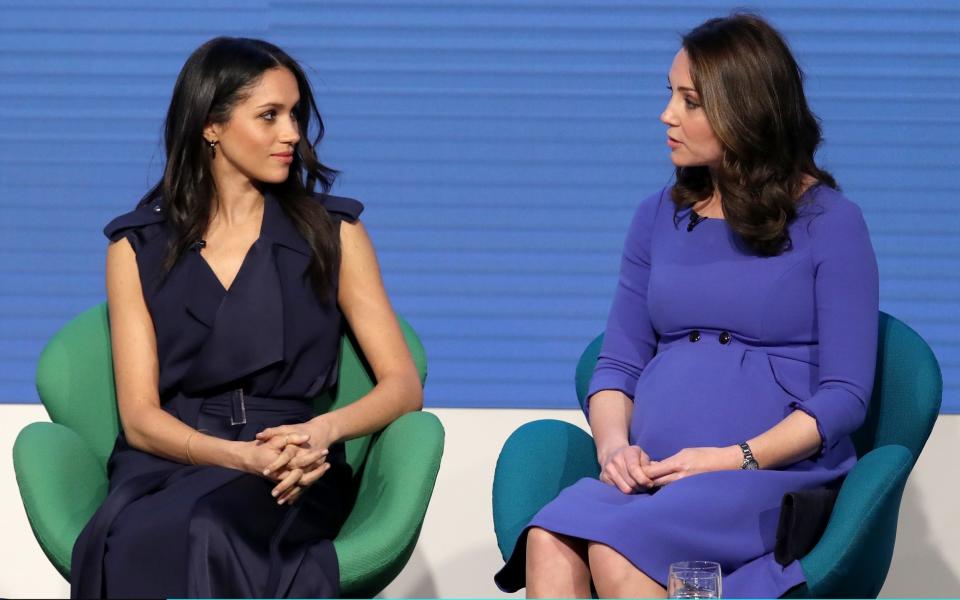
<point x="629" y="340"/>
<point x="846" y="288"/>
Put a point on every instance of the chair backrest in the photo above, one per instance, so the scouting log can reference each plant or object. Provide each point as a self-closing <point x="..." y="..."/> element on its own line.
<point x="907" y="388"/>
<point x="75" y="381"/>
<point x="588" y="360"/>
<point x="907" y="391"/>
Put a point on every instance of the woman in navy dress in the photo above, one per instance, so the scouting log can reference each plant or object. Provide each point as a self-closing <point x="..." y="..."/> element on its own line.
<point x="226" y="288"/>
<point x="740" y="348"/>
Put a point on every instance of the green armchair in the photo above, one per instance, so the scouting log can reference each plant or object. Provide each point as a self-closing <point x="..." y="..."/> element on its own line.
<point x="61" y="466"/>
<point x="853" y="555"/>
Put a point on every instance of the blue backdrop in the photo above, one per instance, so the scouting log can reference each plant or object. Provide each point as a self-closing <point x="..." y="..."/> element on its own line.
<point x="500" y="147"/>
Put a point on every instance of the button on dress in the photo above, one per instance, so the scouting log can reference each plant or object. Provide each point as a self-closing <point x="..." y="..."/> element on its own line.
<point x="232" y="363"/>
<point x="715" y="345"/>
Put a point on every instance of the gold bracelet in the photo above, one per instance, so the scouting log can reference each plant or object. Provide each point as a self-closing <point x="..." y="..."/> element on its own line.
<point x="189" y="456"/>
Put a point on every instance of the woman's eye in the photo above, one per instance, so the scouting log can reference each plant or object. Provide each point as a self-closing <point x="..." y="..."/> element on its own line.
<point x="690" y="103"/>
<point x="269" y="115"/>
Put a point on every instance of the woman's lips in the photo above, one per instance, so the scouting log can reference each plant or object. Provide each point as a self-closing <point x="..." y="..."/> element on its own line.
<point x="673" y="143"/>
<point x="284" y="158"/>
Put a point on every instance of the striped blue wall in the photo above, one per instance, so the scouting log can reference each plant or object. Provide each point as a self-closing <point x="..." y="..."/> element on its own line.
<point x="500" y="147"/>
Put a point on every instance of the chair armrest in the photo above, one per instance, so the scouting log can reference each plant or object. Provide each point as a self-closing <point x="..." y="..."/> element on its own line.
<point x="538" y="460"/>
<point x="853" y="555"/>
<point x="62" y="483"/>
<point x="395" y="488"/>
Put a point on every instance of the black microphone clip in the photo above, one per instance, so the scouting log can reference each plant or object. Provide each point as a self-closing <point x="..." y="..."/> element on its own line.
<point x="695" y="220"/>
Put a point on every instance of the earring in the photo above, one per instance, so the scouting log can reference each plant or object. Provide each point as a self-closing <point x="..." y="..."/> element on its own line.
<point x="213" y="149"/>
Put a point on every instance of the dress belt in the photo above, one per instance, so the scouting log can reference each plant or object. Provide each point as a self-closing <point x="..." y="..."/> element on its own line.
<point x="237" y="406"/>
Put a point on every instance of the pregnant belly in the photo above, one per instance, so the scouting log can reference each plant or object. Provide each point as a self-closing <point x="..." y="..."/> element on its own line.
<point x="705" y="395"/>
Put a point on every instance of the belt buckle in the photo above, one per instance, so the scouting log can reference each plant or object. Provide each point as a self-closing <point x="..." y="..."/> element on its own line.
<point x="238" y="410"/>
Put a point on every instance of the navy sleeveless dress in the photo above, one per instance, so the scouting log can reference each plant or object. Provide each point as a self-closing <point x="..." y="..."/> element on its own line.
<point x="232" y="362"/>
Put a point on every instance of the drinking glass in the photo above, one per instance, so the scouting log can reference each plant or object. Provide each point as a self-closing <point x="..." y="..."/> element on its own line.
<point x="694" y="579"/>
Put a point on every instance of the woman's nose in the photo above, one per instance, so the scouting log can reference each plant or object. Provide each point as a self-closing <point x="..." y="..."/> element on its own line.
<point x="667" y="117"/>
<point x="291" y="133"/>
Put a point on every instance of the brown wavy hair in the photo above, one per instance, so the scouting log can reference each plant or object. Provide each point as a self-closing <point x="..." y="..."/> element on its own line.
<point x="751" y="88"/>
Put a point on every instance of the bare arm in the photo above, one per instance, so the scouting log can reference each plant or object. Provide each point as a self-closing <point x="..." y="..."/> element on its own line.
<point x="622" y="465"/>
<point x="137" y="374"/>
<point x="367" y="308"/>
<point x="792" y="439"/>
<point x="610" y="412"/>
<point x="365" y="304"/>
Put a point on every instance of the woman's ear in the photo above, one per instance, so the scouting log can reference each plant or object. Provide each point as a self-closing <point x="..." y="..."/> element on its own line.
<point x="211" y="133"/>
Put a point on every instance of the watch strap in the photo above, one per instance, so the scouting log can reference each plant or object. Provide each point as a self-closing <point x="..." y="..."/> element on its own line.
<point x="748" y="459"/>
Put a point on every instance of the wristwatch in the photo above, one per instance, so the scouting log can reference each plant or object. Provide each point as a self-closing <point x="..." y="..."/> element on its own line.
<point x="749" y="462"/>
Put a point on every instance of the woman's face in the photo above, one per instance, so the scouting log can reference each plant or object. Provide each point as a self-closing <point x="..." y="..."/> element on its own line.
<point x="689" y="135"/>
<point x="258" y="140"/>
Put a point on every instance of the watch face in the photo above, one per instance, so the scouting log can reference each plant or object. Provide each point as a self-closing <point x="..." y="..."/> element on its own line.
<point x="751" y="465"/>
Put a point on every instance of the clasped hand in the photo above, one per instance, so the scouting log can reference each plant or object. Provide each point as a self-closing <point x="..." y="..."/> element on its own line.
<point x="294" y="456"/>
<point x="630" y="469"/>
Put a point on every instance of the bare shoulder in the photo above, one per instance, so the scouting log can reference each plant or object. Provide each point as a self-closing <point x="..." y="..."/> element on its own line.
<point x="350" y="229"/>
<point x="123" y="275"/>
<point x="355" y="240"/>
<point x="121" y="255"/>
<point x="120" y="247"/>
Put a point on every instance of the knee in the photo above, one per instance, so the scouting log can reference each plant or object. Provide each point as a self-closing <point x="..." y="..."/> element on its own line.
<point x="217" y="516"/>
<point x="608" y="569"/>
<point x="599" y="562"/>
<point x="556" y="565"/>
<point x="206" y="527"/>
<point x="547" y="551"/>
<point x="615" y="576"/>
<point x="542" y="544"/>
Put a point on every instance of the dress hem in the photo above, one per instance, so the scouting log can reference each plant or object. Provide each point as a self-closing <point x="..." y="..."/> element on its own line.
<point x="512" y="576"/>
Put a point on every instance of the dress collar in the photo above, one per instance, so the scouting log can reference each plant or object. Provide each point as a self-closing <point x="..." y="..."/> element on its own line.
<point x="278" y="227"/>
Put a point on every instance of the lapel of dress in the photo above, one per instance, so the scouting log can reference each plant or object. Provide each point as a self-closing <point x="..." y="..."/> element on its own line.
<point x="247" y="332"/>
<point x="204" y="293"/>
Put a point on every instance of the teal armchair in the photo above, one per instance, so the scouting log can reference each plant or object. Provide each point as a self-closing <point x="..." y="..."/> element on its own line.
<point x="61" y="466"/>
<point x="853" y="555"/>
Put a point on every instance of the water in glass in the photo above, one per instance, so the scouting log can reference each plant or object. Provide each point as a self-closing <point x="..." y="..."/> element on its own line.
<point x="694" y="579"/>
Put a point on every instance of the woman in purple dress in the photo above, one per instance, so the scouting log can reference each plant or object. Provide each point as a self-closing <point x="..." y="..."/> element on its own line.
<point x="227" y="287"/>
<point x="739" y="351"/>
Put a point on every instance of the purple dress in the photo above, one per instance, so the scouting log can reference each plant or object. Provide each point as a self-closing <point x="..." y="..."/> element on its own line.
<point x="715" y="345"/>
<point x="232" y="362"/>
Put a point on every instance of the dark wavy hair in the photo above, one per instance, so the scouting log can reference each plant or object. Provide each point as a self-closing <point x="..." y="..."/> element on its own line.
<point x="752" y="91"/>
<point x="216" y="77"/>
